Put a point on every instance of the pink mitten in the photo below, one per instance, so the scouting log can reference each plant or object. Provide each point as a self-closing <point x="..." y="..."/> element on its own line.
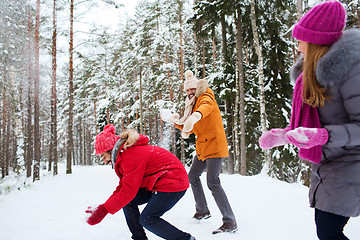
<point x="307" y="137"/>
<point x="273" y="138"/>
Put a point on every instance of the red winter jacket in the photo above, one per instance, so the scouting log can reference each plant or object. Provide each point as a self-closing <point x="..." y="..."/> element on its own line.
<point x="145" y="166"/>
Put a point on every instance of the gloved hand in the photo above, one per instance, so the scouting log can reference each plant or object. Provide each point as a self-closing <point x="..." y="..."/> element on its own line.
<point x="273" y="138"/>
<point x="306" y="138"/>
<point x="185" y="134"/>
<point x="174" y="118"/>
<point x="97" y="214"/>
<point x="190" y="121"/>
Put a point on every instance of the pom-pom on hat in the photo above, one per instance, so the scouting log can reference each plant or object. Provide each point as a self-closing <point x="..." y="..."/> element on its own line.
<point x="190" y="80"/>
<point x="322" y="25"/>
<point x="106" y="140"/>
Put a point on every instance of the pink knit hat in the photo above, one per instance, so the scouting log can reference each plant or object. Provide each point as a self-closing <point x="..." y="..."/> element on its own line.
<point x="322" y="25"/>
<point x="106" y="140"/>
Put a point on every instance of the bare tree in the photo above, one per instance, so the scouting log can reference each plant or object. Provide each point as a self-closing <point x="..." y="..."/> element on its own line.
<point x="29" y="150"/>
<point x="299" y="9"/>
<point x="240" y="96"/>
<point x="70" y="142"/>
<point x="181" y="68"/>
<point x="141" y="103"/>
<point x="263" y="118"/>
<point x="3" y="140"/>
<point x="53" y="138"/>
<point x="36" y="175"/>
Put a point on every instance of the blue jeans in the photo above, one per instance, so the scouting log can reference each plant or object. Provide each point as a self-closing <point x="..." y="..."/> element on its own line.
<point x="330" y="226"/>
<point x="157" y="204"/>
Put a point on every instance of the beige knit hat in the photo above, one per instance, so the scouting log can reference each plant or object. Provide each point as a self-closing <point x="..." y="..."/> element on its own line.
<point x="190" y="80"/>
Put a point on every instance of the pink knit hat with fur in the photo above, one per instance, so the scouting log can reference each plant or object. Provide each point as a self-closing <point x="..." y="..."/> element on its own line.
<point x="106" y="140"/>
<point x="322" y="25"/>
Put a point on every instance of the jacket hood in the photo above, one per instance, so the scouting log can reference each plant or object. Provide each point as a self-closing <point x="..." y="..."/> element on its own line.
<point x="132" y="138"/>
<point x="141" y="140"/>
<point x="129" y="138"/>
<point x="201" y="87"/>
<point x="209" y="92"/>
<point x="342" y="56"/>
<point x="334" y="65"/>
<point x="296" y="69"/>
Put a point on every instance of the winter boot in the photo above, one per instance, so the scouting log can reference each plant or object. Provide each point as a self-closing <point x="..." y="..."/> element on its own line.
<point x="226" y="227"/>
<point x="200" y="216"/>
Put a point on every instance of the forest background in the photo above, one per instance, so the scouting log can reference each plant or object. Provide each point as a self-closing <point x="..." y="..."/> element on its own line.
<point x="61" y="84"/>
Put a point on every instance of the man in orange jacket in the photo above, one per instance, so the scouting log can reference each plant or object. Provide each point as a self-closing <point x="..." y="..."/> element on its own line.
<point x="202" y="116"/>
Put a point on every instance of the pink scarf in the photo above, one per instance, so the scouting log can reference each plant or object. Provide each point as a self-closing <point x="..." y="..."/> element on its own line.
<point x="303" y="115"/>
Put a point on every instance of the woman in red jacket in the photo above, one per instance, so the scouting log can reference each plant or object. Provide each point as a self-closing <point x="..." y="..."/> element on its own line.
<point x="148" y="174"/>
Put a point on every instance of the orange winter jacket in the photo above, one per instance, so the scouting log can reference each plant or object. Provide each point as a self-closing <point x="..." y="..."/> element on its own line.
<point x="211" y="139"/>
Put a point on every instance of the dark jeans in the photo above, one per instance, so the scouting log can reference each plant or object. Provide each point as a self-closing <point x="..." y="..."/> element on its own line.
<point x="330" y="226"/>
<point x="213" y="167"/>
<point x="150" y="217"/>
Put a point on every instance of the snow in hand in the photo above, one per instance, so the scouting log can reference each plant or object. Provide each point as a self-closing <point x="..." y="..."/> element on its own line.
<point x="300" y="133"/>
<point x="166" y="115"/>
<point x="54" y="209"/>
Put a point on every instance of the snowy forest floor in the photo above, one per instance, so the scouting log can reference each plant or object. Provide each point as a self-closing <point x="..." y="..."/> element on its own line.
<point x="53" y="209"/>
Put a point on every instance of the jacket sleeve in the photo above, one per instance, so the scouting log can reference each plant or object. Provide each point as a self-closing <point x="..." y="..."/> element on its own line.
<point x="134" y="169"/>
<point x="348" y="134"/>
<point x="206" y="105"/>
<point x="179" y="126"/>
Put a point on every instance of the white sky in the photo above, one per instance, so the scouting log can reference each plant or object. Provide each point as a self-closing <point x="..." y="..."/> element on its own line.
<point x="107" y="15"/>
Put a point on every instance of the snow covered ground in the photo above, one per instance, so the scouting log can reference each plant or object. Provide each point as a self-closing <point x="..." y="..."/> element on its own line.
<point x="53" y="209"/>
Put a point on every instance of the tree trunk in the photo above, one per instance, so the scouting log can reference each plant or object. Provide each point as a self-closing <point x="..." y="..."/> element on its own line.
<point x="29" y="128"/>
<point x="13" y="124"/>
<point x="258" y="48"/>
<point x="70" y="142"/>
<point x="171" y="97"/>
<point x="224" y="39"/>
<point x="195" y="56"/>
<point x="3" y="140"/>
<point x="299" y="10"/>
<point x="214" y="53"/>
<point x="241" y="94"/>
<point x="89" y="148"/>
<point x="36" y="175"/>
<point x="96" y="127"/>
<point x="7" y="145"/>
<point x="182" y="152"/>
<point x="236" y="141"/>
<point x="203" y="57"/>
<point x="141" y="104"/>
<point x="53" y="138"/>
